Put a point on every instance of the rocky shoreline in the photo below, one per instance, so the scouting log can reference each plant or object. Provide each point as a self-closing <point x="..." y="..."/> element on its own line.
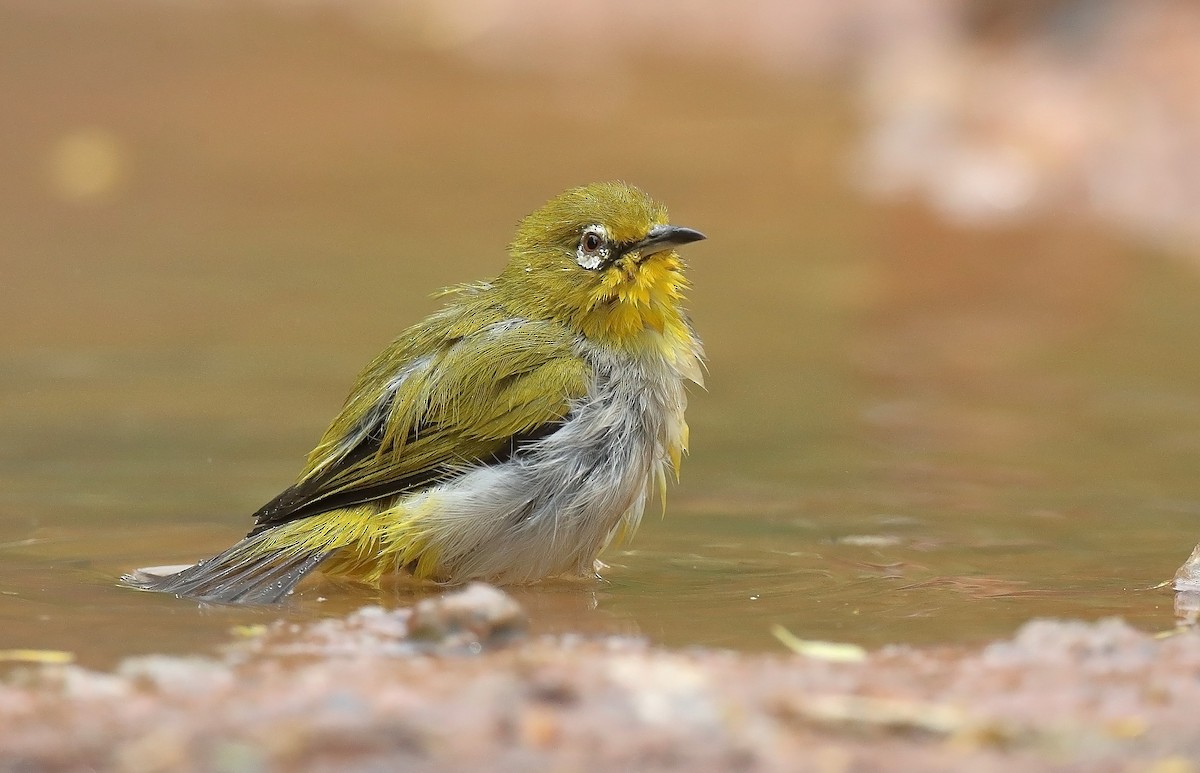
<point x="455" y="684"/>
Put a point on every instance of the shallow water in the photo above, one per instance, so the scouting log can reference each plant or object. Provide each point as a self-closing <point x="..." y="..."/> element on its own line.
<point x="911" y="432"/>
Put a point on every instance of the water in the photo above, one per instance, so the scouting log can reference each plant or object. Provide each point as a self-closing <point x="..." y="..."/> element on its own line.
<point x="911" y="432"/>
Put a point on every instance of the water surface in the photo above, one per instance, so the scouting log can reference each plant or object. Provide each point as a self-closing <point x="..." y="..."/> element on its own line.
<point x="911" y="432"/>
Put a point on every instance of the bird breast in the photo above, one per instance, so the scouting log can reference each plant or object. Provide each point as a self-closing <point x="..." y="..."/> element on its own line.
<point x="554" y="507"/>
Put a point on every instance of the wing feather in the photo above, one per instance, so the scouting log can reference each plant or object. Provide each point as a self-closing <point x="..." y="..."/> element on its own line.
<point x="429" y="407"/>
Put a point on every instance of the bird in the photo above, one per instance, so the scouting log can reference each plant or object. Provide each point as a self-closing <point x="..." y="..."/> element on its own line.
<point x="509" y="436"/>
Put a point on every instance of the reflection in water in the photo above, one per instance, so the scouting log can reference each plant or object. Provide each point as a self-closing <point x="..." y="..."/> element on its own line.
<point x="1187" y="607"/>
<point x="910" y="433"/>
<point x="1187" y="590"/>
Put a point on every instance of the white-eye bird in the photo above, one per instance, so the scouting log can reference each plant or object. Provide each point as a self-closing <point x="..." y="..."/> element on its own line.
<point x="508" y="437"/>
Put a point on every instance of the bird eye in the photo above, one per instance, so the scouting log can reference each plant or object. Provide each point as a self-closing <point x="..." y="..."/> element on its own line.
<point x="592" y="252"/>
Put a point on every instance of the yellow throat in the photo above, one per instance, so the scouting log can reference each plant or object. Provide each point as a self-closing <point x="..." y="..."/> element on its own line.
<point x="601" y="259"/>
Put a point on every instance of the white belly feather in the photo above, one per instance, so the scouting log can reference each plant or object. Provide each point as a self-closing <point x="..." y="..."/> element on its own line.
<point x="551" y="509"/>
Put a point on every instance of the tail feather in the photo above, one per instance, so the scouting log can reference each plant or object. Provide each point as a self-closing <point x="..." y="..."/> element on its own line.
<point x="243" y="574"/>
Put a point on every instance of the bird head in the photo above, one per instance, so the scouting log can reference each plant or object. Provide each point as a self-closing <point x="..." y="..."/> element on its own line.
<point x="602" y="259"/>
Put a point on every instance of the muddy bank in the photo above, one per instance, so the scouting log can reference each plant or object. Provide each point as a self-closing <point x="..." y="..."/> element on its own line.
<point x="457" y="687"/>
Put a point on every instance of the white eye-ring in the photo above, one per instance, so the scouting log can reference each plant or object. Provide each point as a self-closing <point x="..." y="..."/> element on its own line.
<point x="593" y="247"/>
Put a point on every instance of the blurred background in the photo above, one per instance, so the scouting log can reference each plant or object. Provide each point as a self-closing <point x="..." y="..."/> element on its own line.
<point x="949" y="293"/>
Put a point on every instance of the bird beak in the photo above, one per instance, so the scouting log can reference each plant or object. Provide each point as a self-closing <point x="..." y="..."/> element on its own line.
<point x="663" y="237"/>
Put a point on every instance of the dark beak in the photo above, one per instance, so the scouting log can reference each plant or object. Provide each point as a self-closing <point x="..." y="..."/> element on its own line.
<point x="663" y="237"/>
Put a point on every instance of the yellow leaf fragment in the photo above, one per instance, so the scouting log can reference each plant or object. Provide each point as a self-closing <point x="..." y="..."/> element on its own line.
<point x="830" y="651"/>
<point x="882" y="713"/>
<point x="248" y="631"/>
<point x="36" y="656"/>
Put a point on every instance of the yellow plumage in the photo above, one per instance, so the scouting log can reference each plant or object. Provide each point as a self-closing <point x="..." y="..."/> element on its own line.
<point x="508" y="436"/>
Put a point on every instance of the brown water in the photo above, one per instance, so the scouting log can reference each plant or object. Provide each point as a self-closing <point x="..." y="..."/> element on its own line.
<point x="210" y="220"/>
